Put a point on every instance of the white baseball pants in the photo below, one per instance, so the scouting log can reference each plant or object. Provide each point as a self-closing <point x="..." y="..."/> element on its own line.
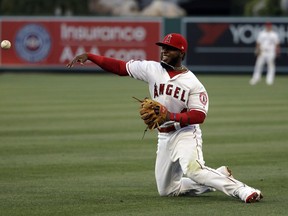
<point x="180" y="167"/>
<point x="262" y="59"/>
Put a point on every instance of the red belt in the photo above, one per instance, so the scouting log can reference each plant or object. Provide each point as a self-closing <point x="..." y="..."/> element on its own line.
<point x="167" y="129"/>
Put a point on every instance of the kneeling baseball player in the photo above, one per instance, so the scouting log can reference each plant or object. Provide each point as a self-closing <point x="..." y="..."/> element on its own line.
<point x="179" y="103"/>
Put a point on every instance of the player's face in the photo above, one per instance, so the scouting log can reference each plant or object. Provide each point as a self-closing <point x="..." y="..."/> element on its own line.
<point x="171" y="55"/>
<point x="269" y="27"/>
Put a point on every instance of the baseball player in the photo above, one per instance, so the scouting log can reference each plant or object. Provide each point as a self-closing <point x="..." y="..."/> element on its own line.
<point x="180" y="167"/>
<point x="267" y="48"/>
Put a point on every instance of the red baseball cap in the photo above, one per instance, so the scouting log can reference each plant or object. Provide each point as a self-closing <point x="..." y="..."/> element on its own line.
<point x="174" y="40"/>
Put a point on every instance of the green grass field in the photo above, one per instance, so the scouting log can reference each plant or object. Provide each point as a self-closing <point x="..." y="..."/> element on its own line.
<point x="71" y="145"/>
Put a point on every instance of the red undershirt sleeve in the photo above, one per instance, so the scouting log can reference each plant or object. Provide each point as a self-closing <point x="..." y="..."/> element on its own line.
<point x="187" y="118"/>
<point x="109" y="64"/>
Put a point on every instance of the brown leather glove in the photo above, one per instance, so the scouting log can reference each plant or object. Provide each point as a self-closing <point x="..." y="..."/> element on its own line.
<point x="152" y="112"/>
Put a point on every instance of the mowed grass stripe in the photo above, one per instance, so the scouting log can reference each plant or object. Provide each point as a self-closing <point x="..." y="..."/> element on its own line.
<point x="71" y="145"/>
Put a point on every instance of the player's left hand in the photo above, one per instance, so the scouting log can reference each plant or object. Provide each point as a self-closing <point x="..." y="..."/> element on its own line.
<point x="80" y="59"/>
<point x="153" y="113"/>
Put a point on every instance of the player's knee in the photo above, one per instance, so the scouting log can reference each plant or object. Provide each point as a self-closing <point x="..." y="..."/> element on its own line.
<point x="169" y="191"/>
<point x="193" y="167"/>
<point x="165" y="193"/>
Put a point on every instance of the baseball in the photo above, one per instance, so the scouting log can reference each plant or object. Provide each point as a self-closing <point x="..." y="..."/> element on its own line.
<point x="5" y="44"/>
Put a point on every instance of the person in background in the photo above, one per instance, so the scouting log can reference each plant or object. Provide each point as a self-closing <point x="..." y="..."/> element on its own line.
<point x="267" y="49"/>
<point x="161" y="8"/>
<point x="113" y="7"/>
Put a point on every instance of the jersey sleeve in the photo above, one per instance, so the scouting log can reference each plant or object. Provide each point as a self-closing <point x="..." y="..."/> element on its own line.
<point x="199" y="101"/>
<point x="138" y="69"/>
<point x="277" y="39"/>
<point x="259" y="38"/>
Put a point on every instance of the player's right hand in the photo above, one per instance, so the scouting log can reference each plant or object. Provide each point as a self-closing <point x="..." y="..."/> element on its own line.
<point x="80" y="58"/>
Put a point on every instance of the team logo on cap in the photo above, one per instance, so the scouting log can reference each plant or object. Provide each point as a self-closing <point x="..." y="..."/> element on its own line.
<point x="168" y="38"/>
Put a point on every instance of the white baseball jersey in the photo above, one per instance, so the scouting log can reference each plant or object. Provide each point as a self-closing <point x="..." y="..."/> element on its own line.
<point x="183" y="92"/>
<point x="268" y="41"/>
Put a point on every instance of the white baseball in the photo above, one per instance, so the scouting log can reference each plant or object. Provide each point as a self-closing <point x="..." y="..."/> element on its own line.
<point x="5" y="44"/>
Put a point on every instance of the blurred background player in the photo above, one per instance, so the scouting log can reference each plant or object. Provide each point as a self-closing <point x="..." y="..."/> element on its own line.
<point x="267" y="48"/>
<point x="167" y="8"/>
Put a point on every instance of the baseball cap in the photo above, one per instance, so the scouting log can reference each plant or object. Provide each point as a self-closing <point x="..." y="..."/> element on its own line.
<point x="174" y="40"/>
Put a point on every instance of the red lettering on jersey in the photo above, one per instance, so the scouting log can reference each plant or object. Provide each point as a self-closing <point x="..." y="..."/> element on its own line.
<point x="156" y="91"/>
<point x="169" y="89"/>
<point x="176" y="92"/>
<point x="161" y="89"/>
<point x="183" y="96"/>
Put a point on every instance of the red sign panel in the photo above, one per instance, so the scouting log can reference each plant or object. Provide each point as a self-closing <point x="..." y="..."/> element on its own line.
<point x="53" y="43"/>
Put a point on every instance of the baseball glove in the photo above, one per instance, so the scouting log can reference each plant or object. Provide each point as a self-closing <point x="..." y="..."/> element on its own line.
<point x="153" y="113"/>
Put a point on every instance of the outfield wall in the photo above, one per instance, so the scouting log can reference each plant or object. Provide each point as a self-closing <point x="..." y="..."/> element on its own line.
<point x="216" y="44"/>
<point x="50" y="43"/>
<point x="228" y="44"/>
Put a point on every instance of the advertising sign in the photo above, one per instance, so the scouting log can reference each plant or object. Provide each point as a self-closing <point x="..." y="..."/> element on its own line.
<point x="228" y="44"/>
<point x="54" y="42"/>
